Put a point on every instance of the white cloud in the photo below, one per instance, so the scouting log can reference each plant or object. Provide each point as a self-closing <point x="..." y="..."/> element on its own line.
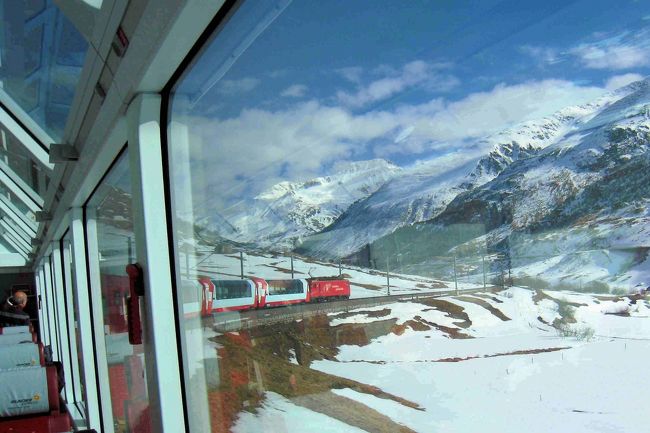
<point x="612" y="56"/>
<point x="352" y="74"/>
<point x="619" y="81"/>
<point x="544" y="55"/>
<point x="258" y="148"/>
<point x="234" y="87"/>
<point x="295" y="91"/>
<point x="441" y="125"/>
<point x="417" y="73"/>
<point x="625" y="50"/>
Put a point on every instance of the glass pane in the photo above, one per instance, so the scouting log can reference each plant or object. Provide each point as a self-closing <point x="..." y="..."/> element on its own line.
<point x="110" y="207"/>
<point x="22" y="163"/>
<point x="58" y="320"/>
<point x="74" y="332"/>
<point x="20" y="206"/>
<point x="389" y="215"/>
<point x="42" y="55"/>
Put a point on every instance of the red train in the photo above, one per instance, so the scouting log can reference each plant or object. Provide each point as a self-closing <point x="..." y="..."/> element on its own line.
<point x="254" y="292"/>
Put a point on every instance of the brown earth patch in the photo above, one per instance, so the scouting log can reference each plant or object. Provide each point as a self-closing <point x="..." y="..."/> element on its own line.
<point x="454" y="311"/>
<point x="251" y="363"/>
<point x="540" y="295"/>
<point x="486" y="296"/>
<point x="467" y="358"/>
<point x="350" y="412"/>
<point x="432" y="285"/>
<point x="367" y="286"/>
<point x="496" y="312"/>
<point x="415" y="325"/>
<point x="378" y="313"/>
<point x="453" y="333"/>
<point x="494" y="355"/>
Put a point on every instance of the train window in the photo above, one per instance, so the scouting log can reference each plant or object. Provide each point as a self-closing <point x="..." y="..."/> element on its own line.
<point x="110" y="208"/>
<point x="78" y="387"/>
<point x="441" y="207"/>
<point x="224" y="289"/>
<point x="282" y="287"/>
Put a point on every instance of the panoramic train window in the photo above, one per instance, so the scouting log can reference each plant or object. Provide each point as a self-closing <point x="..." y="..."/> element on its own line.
<point x="110" y="209"/>
<point x="41" y="57"/>
<point x="389" y="215"/>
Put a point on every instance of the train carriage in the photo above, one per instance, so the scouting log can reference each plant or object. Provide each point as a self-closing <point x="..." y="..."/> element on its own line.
<point x="287" y="292"/>
<point x="230" y="295"/>
<point x="328" y="288"/>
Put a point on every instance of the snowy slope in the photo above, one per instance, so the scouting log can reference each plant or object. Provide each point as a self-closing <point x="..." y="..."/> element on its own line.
<point x="423" y="192"/>
<point x="539" y="188"/>
<point x="586" y="191"/>
<point x="511" y="361"/>
<point x="289" y="210"/>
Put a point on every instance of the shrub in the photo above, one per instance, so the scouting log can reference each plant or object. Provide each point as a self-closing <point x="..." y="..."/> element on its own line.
<point x="596" y="287"/>
<point x="581" y="333"/>
<point x="566" y="311"/>
<point x="531" y="282"/>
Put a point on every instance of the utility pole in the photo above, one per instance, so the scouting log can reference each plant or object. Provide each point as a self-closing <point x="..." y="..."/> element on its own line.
<point x="484" y="276"/>
<point x="455" y="276"/>
<point x="291" y="257"/>
<point x="241" y="263"/>
<point x="388" y="275"/>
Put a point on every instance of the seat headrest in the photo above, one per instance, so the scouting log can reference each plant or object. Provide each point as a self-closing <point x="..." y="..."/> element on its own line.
<point x="28" y="391"/>
<point x="25" y="329"/>
<point x="20" y="355"/>
<point x="11" y="339"/>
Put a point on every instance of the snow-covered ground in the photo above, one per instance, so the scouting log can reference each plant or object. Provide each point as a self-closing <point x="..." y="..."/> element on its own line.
<point x="364" y="282"/>
<point x="517" y="372"/>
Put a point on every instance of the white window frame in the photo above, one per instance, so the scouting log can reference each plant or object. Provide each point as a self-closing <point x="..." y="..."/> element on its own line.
<point x="62" y="323"/>
<point x="39" y="299"/>
<point x="152" y="252"/>
<point x="97" y="326"/>
<point x="83" y="306"/>
<point x="45" y="323"/>
<point x="49" y="289"/>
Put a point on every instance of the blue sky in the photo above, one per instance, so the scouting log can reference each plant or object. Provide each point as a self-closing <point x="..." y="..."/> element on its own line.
<point x="288" y="89"/>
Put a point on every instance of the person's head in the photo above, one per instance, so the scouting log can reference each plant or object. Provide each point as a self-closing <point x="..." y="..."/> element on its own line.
<point x="19" y="299"/>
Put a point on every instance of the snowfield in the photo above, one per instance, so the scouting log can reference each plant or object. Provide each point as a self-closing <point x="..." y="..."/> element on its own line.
<point x="526" y="364"/>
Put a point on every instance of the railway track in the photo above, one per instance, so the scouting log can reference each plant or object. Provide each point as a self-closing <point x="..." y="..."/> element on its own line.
<point x="235" y="321"/>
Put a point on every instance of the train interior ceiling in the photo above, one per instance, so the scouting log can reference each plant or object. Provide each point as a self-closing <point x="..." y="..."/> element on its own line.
<point x="292" y="216"/>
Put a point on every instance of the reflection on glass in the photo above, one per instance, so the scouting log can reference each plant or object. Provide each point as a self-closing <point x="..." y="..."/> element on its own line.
<point x="42" y="55"/>
<point x="22" y="163"/>
<point x="110" y="207"/>
<point x="385" y="214"/>
<point x="15" y="203"/>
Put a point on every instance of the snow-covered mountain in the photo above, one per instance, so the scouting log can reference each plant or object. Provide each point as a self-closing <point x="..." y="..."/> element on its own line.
<point x="574" y="209"/>
<point x="552" y="181"/>
<point x="424" y="191"/>
<point x="290" y="210"/>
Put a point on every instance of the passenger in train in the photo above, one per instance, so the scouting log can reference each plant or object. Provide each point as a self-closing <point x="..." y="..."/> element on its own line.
<point x="11" y="313"/>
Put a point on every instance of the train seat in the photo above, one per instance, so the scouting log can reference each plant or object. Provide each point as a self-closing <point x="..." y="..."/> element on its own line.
<point x="25" y="329"/>
<point x="11" y="339"/>
<point x="21" y="355"/>
<point x="30" y="401"/>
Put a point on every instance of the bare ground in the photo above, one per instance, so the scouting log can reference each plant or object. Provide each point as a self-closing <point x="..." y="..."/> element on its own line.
<point x="350" y="412"/>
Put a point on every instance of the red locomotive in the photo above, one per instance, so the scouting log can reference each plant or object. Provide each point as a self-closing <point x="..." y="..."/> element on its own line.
<point x="255" y="292"/>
